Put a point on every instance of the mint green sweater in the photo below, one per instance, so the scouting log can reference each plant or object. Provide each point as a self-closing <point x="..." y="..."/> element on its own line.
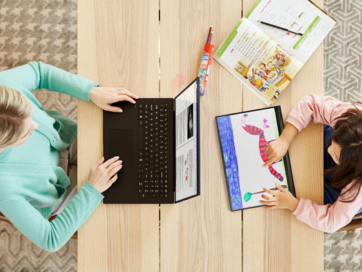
<point x="31" y="182"/>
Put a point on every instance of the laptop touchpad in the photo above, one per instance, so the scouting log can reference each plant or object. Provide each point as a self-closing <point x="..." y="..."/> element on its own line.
<point x="120" y="142"/>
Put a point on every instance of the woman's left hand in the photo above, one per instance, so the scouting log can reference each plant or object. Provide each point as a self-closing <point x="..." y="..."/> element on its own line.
<point x="279" y="200"/>
<point x="103" y="97"/>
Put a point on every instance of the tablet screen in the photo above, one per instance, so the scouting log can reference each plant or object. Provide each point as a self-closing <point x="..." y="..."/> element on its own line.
<point x="244" y="138"/>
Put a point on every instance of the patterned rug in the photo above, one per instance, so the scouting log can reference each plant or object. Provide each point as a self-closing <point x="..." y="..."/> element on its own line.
<point x="343" y="80"/>
<point x="38" y="30"/>
<point x="45" y="30"/>
<point x="41" y="30"/>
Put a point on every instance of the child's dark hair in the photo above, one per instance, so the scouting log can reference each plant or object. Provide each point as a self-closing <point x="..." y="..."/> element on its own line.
<point x="348" y="135"/>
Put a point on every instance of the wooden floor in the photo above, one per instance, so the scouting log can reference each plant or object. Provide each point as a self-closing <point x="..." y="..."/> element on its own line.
<point x="118" y="46"/>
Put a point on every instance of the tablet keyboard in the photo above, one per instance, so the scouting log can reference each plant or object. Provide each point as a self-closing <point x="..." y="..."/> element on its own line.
<point x="153" y="154"/>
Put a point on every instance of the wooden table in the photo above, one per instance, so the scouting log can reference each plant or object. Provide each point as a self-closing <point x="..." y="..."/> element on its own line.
<point x="118" y="45"/>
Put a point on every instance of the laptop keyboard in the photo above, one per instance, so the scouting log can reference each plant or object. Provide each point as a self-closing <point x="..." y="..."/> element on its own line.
<point x="153" y="146"/>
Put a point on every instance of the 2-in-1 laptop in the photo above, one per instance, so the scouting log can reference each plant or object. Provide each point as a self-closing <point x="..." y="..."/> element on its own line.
<point x="158" y="141"/>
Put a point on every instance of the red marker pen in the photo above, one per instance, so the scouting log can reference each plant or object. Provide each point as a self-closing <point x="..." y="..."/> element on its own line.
<point x="205" y="62"/>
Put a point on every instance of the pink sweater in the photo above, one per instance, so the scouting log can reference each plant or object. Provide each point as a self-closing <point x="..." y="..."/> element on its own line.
<point x="327" y="218"/>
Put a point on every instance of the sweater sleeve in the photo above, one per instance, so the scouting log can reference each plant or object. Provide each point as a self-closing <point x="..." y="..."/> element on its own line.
<point x="321" y="109"/>
<point x="51" y="236"/>
<point x="328" y="218"/>
<point x="37" y="75"/>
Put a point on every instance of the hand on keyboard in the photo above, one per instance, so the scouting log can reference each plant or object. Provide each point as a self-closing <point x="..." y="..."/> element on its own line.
<point x="103" y="97"/>
<point x="103" y="175"/>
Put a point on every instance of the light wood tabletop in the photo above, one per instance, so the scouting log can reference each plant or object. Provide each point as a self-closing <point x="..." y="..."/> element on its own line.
<point x="276" y="240"/>
<point x="124" y="43"/>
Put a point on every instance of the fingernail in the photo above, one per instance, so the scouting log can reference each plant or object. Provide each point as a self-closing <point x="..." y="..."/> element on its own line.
<point x="120" y="110"/>
<point x="117" y="157"/>
<point x="121" y="161"/>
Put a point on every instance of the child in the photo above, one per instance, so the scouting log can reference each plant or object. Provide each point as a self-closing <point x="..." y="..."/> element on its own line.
<point x="260" y="74"/>
<point x="263" y="67"/>
<point x="343" y="160"/>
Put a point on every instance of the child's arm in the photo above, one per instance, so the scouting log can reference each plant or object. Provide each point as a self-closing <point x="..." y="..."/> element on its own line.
<point x="319" y="108"/>
<point x="328" y="218"/>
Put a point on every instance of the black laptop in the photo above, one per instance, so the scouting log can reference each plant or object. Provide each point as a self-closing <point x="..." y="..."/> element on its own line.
<point x="158" y="141"/>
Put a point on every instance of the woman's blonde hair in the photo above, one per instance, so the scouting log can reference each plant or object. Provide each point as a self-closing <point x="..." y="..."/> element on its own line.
<point x="14" y="108"/>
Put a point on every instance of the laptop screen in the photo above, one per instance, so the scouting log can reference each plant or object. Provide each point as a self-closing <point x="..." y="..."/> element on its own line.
<point x="187" y="142"/>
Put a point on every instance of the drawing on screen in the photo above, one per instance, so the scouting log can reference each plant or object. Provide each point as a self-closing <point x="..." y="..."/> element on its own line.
<point x="262" y="144"/>
<point x="248" y="195"/>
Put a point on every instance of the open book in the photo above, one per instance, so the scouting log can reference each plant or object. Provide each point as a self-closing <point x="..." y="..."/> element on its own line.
<point x="265" y="58"/>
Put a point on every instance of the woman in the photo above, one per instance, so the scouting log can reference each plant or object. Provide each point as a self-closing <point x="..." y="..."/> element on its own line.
<point x="34" y="144"/>
<point x="342" y="158"/>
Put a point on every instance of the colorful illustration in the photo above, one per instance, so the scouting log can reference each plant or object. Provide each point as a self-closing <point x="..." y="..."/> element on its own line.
<point x="265" y="86"/>
<point x="240" y="68"/>
<point x="262" y="144"/>
<point x="271" y="71"/>
<point x="248" y="195"/>
<point x="263" y="67"/>
<point x="244" y="138"/>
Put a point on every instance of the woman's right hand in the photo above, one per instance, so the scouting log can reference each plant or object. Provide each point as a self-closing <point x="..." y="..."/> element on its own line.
<point x="103" y="175"/>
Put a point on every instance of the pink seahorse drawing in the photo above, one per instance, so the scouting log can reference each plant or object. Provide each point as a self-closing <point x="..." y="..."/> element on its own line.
<point x="262" y="144"/>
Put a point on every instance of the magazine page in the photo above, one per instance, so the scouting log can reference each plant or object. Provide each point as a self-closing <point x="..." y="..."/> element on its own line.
<point x="300" y="16"/>
<point x="258" y="61"/>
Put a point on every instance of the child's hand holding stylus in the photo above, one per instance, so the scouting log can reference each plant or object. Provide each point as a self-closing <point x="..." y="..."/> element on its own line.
<point x="279" y="200"/>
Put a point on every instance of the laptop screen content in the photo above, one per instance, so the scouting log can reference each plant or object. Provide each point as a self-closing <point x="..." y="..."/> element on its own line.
<point x="187" y="142"/>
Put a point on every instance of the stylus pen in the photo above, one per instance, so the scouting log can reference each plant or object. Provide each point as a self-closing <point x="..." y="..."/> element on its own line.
<point x="285" y="29"/>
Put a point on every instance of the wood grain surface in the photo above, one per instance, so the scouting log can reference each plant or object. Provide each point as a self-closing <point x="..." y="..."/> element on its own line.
<point x="117" y="47"/>
<point x="200" y="234"/>
<point x="276" y="240"/>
